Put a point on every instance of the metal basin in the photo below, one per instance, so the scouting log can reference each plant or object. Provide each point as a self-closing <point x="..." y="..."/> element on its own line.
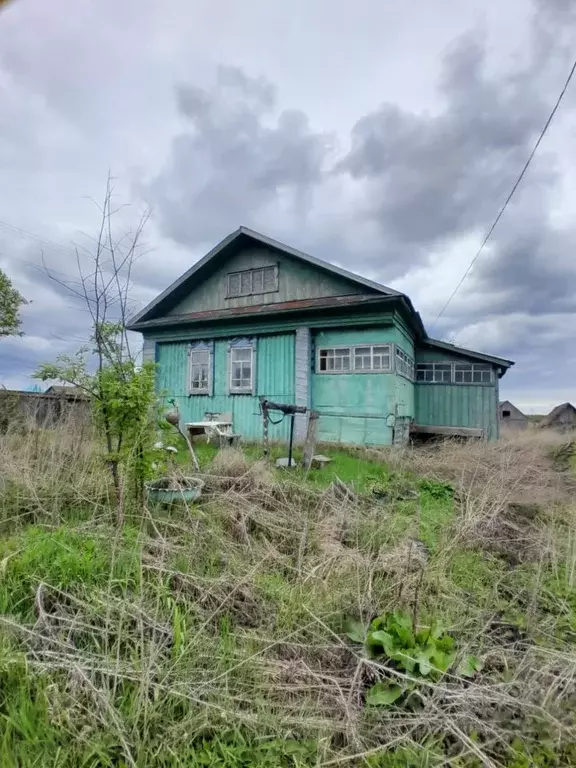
<point x="167" y="490"/>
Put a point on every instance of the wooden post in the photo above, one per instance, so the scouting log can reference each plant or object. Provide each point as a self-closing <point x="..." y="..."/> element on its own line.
<point x="311" y="437"/>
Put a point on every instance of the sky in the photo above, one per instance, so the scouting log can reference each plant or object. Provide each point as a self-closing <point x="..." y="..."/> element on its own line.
<point x="383" y="137"/>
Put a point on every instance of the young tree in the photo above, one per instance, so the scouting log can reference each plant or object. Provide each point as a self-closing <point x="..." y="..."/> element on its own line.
<point x="121" y="391"/>
<point x="10" y="303"/>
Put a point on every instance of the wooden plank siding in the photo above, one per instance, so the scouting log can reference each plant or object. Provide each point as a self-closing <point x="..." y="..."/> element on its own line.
<point x="274" y="378"/>
<point x="456" y="405"/>
<point x="360" y="408"/>
<point x="297" y="280"/>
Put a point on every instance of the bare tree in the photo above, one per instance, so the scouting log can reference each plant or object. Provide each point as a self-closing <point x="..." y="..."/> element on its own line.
<point x="120" y="389"/>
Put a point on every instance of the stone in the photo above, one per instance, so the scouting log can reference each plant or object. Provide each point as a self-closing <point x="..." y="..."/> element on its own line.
<point x="283" y="463"/>
<point x="319" y="461"/>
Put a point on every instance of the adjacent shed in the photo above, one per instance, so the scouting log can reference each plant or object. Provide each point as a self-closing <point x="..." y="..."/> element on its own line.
<point x="511" y="417"/>
<point x="563" y="417"/>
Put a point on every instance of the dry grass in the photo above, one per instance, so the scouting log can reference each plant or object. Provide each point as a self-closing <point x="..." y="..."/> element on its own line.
<point x="221" y="624"/>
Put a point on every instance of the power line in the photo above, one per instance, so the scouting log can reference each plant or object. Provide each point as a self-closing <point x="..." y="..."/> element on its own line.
<point x="31" y="236"/>
<point x="512" y="191"/>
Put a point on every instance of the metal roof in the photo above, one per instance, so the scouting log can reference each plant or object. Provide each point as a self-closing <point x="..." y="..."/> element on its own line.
<point x="235" y="239"/>
<point x="467" y="352"/>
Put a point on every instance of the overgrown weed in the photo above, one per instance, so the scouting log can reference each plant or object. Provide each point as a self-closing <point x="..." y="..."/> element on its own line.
<point x="214" y="634"/>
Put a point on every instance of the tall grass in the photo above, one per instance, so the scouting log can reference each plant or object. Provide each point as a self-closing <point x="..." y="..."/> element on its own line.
<point x="213" y="634"/>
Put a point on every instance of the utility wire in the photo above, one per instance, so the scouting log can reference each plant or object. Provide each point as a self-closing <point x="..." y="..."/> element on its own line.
<point x="511" y="195"/>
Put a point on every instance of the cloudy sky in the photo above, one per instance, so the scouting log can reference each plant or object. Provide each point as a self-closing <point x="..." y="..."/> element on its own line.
<point x="381" y="136"/>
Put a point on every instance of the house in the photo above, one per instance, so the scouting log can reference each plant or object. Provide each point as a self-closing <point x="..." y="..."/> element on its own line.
<point x="562" y="417"/>
<point x="511" y="417"/>
<point x="255" y="317"/>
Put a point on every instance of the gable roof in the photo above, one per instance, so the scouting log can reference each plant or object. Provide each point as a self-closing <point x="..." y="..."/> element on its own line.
<point x="556" y="413"/>
<point x="510" y="406"/>
<point x="231" y="244"/>
<point x="499" y="361"/>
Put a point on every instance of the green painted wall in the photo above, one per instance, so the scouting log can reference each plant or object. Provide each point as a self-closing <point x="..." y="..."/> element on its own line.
<point x="360" y="407"/>
<point x="274" y="378"/>
<point x="297" y="280"/>
<point x="456" y="405"/>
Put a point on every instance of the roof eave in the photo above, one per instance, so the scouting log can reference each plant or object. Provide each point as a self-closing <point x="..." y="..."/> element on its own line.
<point x="265" y="311"/>
<point x="271" y="243"/>
<point x="499" y="361"/>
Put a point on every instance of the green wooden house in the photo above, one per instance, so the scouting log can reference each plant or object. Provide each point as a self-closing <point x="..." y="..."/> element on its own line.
<point x="256" y="317"/>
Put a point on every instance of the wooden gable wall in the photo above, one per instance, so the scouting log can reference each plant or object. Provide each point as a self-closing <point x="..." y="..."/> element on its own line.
<point x="297" y="280"/>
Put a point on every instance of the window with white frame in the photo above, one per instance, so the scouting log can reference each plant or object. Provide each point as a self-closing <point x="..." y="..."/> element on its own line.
<point x="252" y="281"/>
<point x="404" y="364"/>
<point x="360" y="359"/>
<point x="472" y="373"/>
<point x="200" y="369"/>
<point x="335" y="360"/>
<point x="434" y="373"/>
<point x="241" y="369"/>
<point x="454" y="373"/>
<point x="372" y="358"/>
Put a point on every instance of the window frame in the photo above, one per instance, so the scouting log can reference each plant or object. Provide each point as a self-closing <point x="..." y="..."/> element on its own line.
<point x="352" y="356"/>
<point x="242" y="345"/>
<point x="250" y="273"/>
<point x="406" y="359"/>
<point x="205" y="347"/>
<point x="472" y="368"/>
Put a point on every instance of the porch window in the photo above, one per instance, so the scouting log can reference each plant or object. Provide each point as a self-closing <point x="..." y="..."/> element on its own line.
<point x="454" y="373"/>
<point x="241" y="369"/>
<point x="360" y="359"/>
<point x="434" y="373"/>
<point x="252" y="281"/>
<point x="472" y="373"/>
<point x="200" y="369"/>
<point x="372" y="358"/>
<point x="334" y="360"/>
<point x="404" y="364"/>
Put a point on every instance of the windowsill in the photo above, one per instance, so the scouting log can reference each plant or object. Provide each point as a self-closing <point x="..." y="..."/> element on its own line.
<point x="351" y="373"/>
<point x="457" y="383"/>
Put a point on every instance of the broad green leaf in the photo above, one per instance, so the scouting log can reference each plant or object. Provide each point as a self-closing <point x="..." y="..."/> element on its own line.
<point x="424" y="664"/>
<point x="407" y="662"/>
<point x="469" y="666"/>
<point x="381" y="639"/>
<point x="402" y="620"/>
<point x="383" y="694"/>
<point x="355" y="630"/>
<point x="445" y="643"/>
<point x="441" y="660"/>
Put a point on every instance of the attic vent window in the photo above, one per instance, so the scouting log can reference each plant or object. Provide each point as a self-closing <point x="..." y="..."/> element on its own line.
<point x="505" y="414"/>
<point x="253" y="281"/>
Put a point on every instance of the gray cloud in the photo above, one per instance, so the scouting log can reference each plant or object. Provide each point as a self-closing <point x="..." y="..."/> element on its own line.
<point x="235" y="163"/>
<point x="393" y="198"/>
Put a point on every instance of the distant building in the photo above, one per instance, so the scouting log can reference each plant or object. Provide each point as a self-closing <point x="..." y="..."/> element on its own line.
<point x="511" y="417"/>
<point x="562" y="417"/>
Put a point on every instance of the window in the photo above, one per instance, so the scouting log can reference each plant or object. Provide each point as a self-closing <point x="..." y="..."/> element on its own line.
<point x="454" y="373"/>
<point x="505" y="414"/>
<point x="472" y="373"/>
<point x="200" y="369"/>
<point x="251" y="281"/>
<point x="434" y="373"/>
<point x="335" y="360"/>
<point x="373" y="357"/>
<point x="241" y="369"/>
<point x="404" y="364"/>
